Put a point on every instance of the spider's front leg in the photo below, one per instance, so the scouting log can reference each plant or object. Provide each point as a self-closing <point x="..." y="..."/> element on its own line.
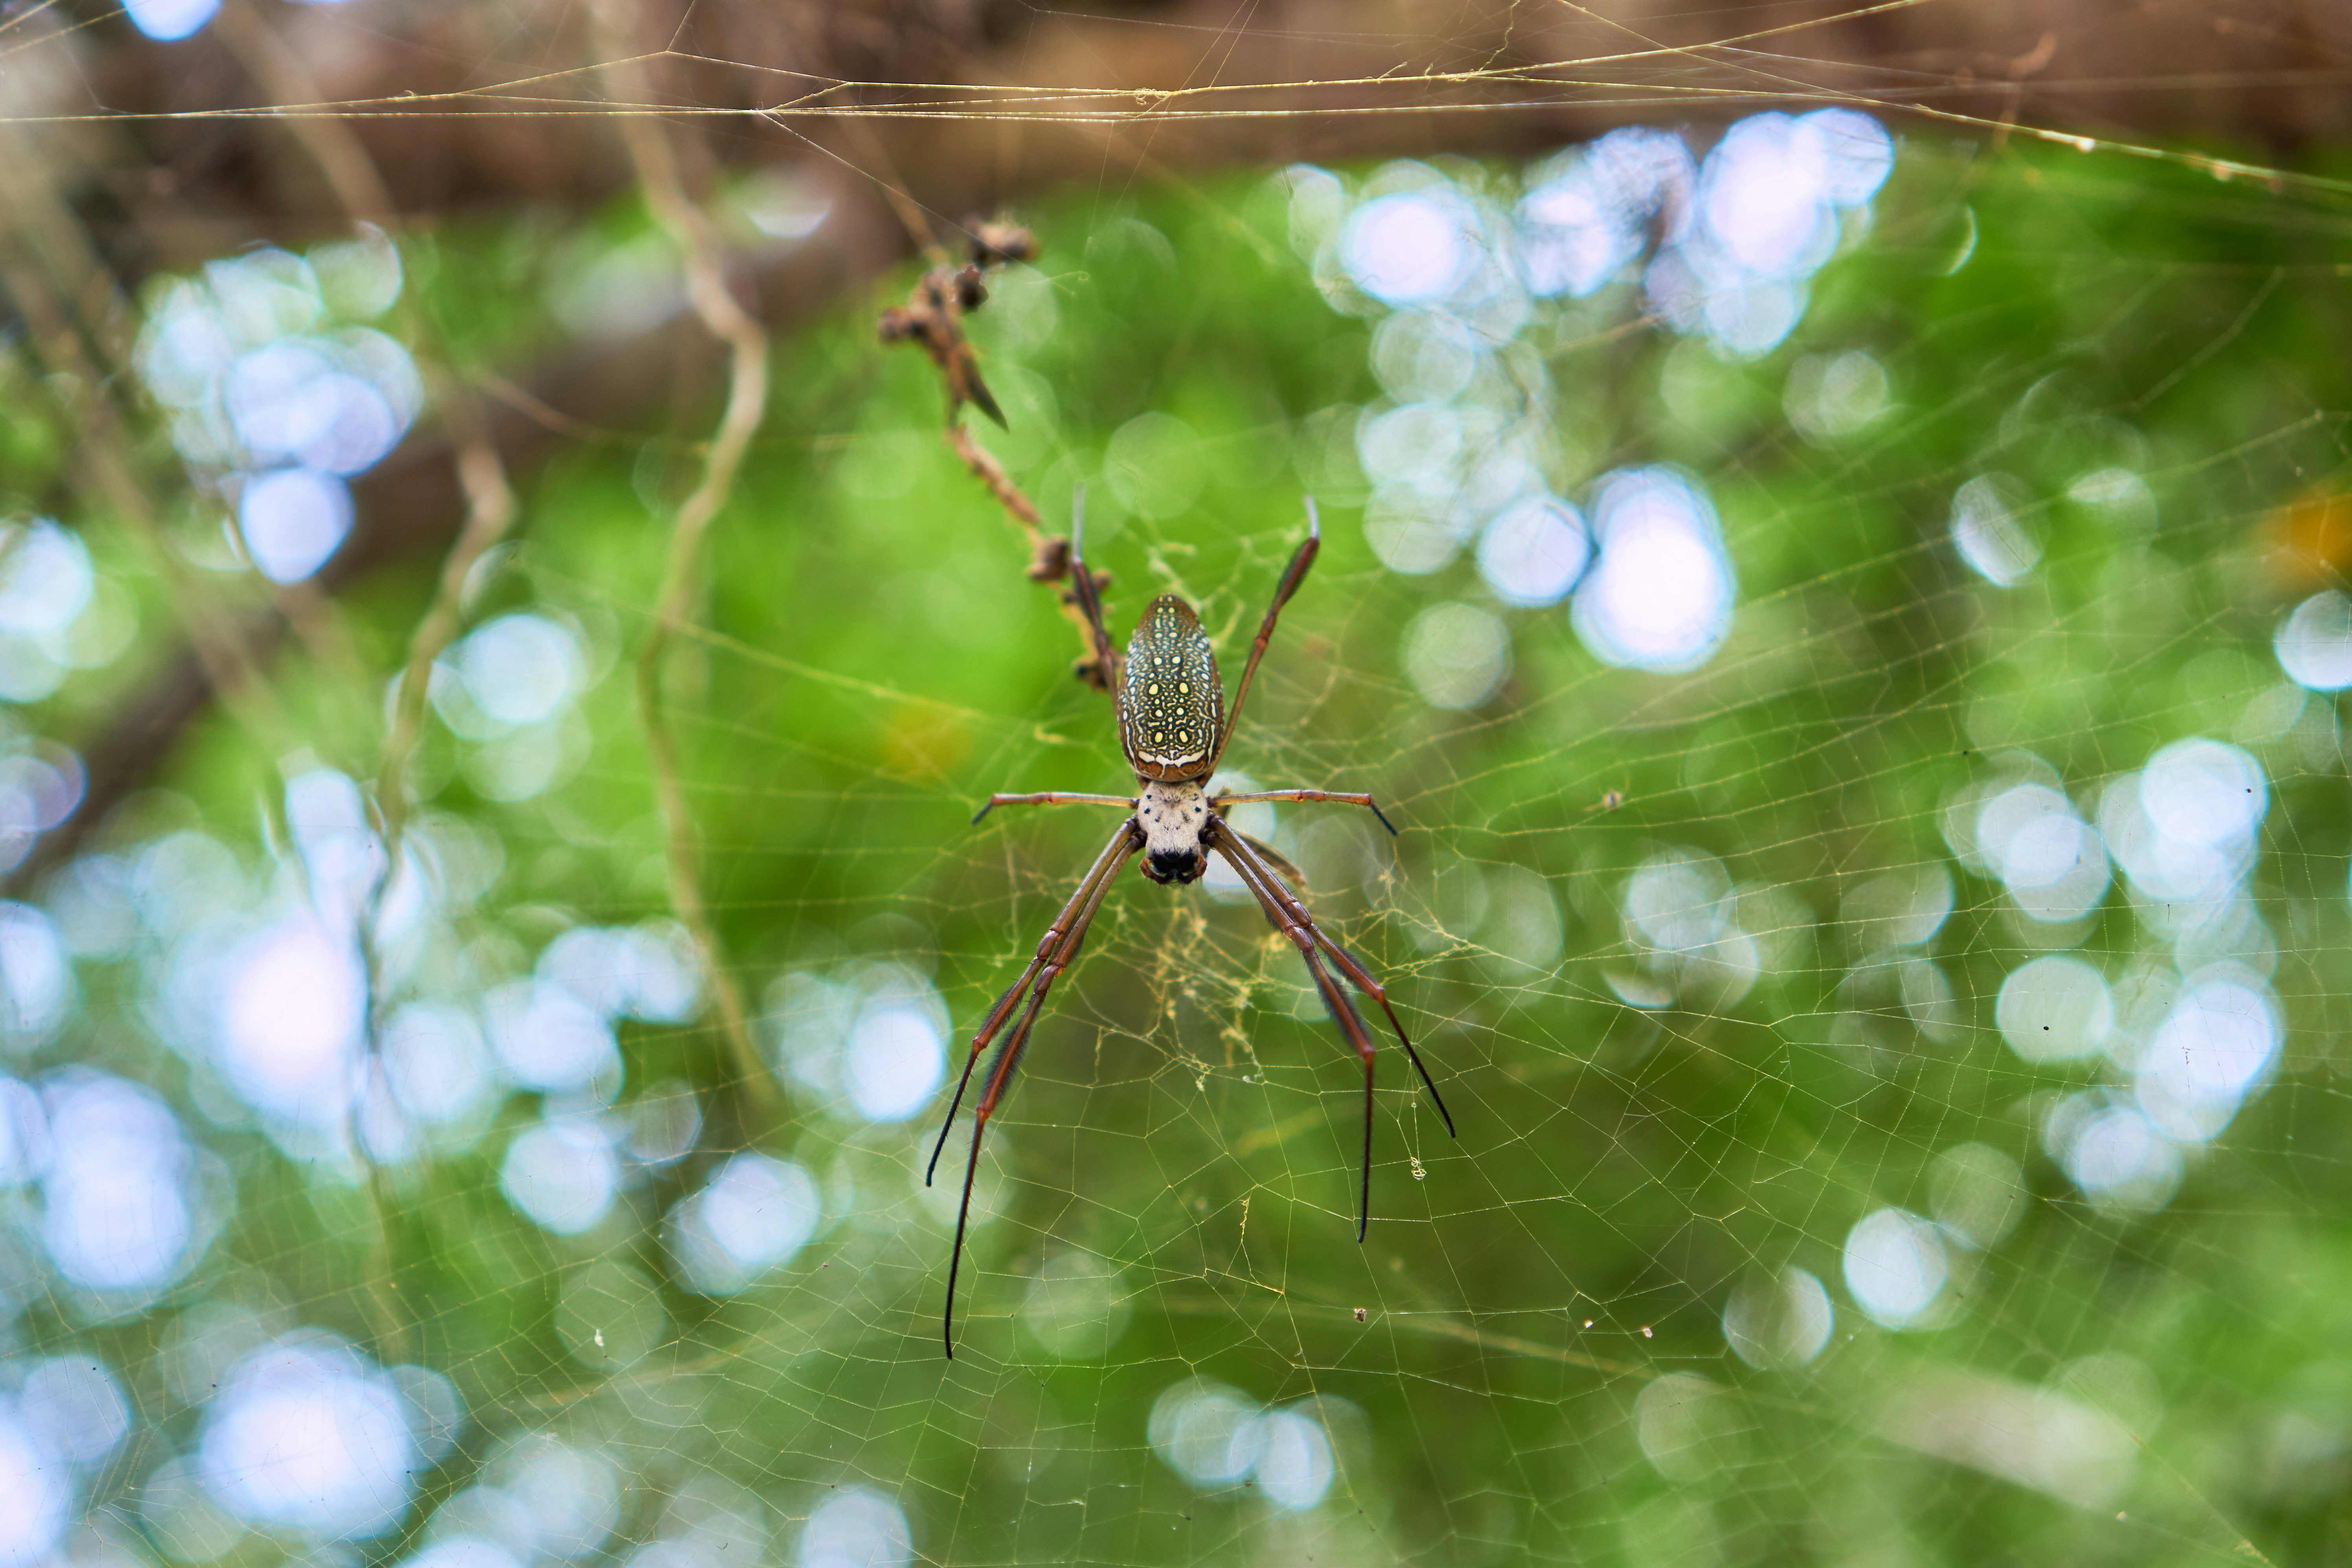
<point x="1056" y="797"/>
<point x="1334" y="796"/>
<point x="1121" y="847"/>
<point x="1055" y="953"/>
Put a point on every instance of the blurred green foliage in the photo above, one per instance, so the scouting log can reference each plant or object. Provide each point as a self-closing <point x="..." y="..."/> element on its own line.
<point x="875" y="665"/>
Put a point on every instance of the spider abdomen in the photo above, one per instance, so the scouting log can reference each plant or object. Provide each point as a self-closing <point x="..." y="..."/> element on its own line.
<point x="1171" y="706"/>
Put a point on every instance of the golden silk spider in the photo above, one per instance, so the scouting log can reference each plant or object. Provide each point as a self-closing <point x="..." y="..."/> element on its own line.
<point x="1174" y="727"/>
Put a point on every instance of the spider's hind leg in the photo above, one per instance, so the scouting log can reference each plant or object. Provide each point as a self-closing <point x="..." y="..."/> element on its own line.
<point x="1279" y="913"/>
<point x="1274" y="857"/>
<point x="1242" y="851"/>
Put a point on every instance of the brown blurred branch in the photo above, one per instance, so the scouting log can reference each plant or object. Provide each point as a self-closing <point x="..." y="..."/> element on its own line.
<point x="723" y="315"/>
<point x="179" y="188"/>
<point x="46" y="256"/>
<point x="414" y="503"/>
<point x="490" y="511"/>
<point x="359" y="188"/>
<point x="932" y="317"/>
<point x="328" y="139"/>
<point x="460" y="112"/>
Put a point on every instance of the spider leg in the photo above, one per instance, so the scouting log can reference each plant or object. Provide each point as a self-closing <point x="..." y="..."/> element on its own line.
<point x="1054" y="797"/>
<point x="1008" y="1055"/>
<point x="1292" y="575"/>
<point x="1310" y="794"/>
<point x="1358" y="975"/>
<point x="1335" y="1001"/>
<point x="1098" y="877"/>
<point x="1274" y="857"/>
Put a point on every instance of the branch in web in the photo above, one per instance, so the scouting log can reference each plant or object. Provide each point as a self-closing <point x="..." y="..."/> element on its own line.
<point x="933" y="317"/>
<point x="411" y="503"/>
<point x="66" y="331"/>
<point x="490" y="511"/>
<point x="747" y="400"/>
<point x="311" y="614"/>
<point x="359" y="188"/>
<point x="490" y="508"/>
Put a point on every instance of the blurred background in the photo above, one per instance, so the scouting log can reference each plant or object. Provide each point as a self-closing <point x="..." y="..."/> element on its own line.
<point x="1835" y="535"/>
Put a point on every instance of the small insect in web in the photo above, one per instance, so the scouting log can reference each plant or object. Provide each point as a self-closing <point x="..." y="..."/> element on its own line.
<point x="1174" y="727"/>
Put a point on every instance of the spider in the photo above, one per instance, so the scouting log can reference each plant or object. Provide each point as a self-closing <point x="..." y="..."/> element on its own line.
<point x="1173" y="728"/>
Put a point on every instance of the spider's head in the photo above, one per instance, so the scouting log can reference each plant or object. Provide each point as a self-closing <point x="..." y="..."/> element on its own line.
<point x="1179" y="865"/>
<point x="1172" y="817"/>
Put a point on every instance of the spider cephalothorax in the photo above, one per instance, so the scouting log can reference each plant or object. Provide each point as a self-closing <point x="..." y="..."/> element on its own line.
<point x="1174" y="816"/>
<point x="1173" y="725"/>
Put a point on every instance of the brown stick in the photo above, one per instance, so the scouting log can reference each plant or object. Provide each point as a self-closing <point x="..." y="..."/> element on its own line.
<point x="351" y="173"/>
<point x="1020" y="508"/>
<point x="490" y="511"/>
<point x="747" y="400"/>
<point x="933" y="317"/>
<point x="48" y="246"/>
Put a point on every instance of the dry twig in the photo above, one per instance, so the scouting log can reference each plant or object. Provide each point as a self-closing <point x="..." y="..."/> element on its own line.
<point x="933" y="317"/>
<point x="723" y="315"/>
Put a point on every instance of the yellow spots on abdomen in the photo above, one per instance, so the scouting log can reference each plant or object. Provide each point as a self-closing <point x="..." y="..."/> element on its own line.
<point x="1170" y="698"/>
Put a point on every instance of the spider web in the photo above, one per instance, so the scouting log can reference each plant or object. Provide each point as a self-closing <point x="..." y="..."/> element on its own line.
<point x="1775" y="1228"/>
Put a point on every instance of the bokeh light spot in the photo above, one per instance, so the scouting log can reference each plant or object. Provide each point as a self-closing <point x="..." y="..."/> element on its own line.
<point x="1532" y="553"/>
<point x="1660" y="594"/>
<point x="857" y="1527"/>
<point x="35" y="1500"/>
<point x="521" y="668"/>
<point x="1779" y="1320"/>
<point x="1077" y="1306"/>
<point x="2055" y="1008"/>
<point x="2315" y="642"/>
<point x="77" y="1408"/>
<point x="1156" y="465"/>
<point x="116" y="1214"/>
<point x="1990" y="533"/>
<point x="561" y="1175"/>
<point x="309" y="1435"/>
<point x="895" y="1062"/>
<point x="752" y="1216"/>
<point x="1456" y="655"/>
<point x="1896" y="1266"/>
<point x="1294" y="1464"/>
<point x="293" y="521"/>
<point x="168" y="21"/>
<point x="2204" y="793"/>
<point x="291" y="1010"/>
<point x="1411" y="249"/>
<point x="46" y="580"/>
<point x="1686" y="1425"/>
